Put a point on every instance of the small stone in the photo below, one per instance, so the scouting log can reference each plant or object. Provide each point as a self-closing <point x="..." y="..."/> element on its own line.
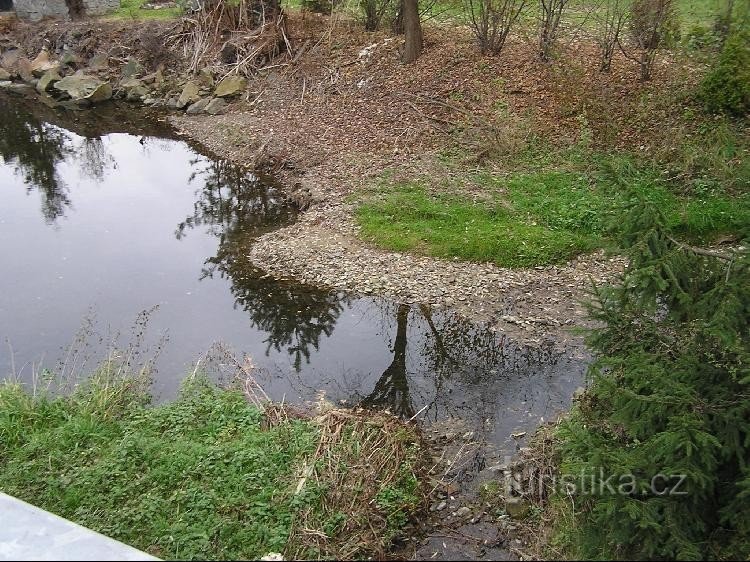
<point x="23" y="69"/>
<point x="131" y="69"/>
<point x="99" y="62"/>
<point x="69" y="59"/>
<point x="441" y="506"/>
<point x="463" y="511"/>
<point x="517" y="508"/>
<point x="206" y="78"/>
<point x="4" y="75"/>
<point x="42" y="64"/>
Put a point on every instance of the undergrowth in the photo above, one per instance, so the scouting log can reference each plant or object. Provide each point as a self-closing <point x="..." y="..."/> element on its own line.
<point x="208" y="476"/>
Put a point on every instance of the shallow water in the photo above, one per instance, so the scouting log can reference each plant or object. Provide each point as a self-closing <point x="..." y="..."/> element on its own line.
<point x="103" y="216"/>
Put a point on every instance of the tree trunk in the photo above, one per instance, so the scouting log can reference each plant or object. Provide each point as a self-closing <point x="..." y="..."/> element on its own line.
<point x="412" y="31"/>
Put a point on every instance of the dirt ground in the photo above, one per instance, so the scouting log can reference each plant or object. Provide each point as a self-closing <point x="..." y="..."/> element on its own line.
<point x="330" y="124"/>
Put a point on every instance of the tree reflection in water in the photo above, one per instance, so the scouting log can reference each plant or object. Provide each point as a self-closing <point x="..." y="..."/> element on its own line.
<point x="392" y="389"/>
<point x="445" y="348"/>
<point x="36" y="149"/>
<point x="238" y="207"/>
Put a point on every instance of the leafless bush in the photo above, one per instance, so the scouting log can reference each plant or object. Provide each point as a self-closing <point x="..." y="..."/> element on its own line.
<point x="253" y="31"/>
<point x="610" y="21"/>
<point x="550" y="15"/>
<point x="653" y="24"/>
<point x="491" y="21"/>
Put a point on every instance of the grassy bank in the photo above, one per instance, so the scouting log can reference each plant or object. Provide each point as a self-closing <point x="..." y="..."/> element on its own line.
<point x="209" y="476"/>
<point x="134" y="10"/>
<point x="546" y="212"/>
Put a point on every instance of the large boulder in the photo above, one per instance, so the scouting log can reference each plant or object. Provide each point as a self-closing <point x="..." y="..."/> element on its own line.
<point x="231" y="86"/>
<point x="47" y="81"/>
<point x="81" y="87"/>
<point x="190" y="94"/>
<point x="17" y="88"/>
<point x="198" y="107"/>
<point x="133" y="89"/>
<point x="216" y="106"/>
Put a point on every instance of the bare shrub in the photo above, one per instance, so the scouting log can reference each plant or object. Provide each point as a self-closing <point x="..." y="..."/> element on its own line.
<point x="491" y="21"/>
<point x="610" y="21"/>
<point x="653" y="24"/>
<point x="550" y="16"/>
<point x="253" y="32"/>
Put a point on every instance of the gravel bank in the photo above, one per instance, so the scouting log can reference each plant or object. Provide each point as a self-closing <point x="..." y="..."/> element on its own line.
<point x="323" y="249"/>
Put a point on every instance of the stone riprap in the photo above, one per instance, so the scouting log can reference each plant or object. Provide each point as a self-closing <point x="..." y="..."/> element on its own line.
<point x="35" y="10"/>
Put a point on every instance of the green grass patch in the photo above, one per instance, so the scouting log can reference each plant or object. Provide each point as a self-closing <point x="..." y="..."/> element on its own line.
<point x="203" y="477"/>
<point x="536" y="218"/>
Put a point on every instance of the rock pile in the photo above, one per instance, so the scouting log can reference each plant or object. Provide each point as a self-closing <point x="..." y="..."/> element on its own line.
<point x="64" y="79"/>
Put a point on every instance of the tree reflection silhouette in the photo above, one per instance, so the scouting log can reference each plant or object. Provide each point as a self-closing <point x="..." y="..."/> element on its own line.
<point x="445" y="347"/>
<point x="237" y="208"/>
<point x="36" y="149"/>
<point x="392" y="389"/>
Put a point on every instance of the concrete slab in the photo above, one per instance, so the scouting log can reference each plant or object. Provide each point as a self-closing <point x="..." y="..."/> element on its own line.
<point x="30" y="533"/>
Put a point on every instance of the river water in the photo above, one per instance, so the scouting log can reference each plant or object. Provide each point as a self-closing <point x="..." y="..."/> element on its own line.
<point x="114" y="232"/>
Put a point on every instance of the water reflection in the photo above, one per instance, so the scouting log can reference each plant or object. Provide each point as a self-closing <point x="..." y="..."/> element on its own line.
<point x="156" y="223"/>
<point x="35" y="149"/>
<point x="392" y="389"/>
<point x="237" y="207"/>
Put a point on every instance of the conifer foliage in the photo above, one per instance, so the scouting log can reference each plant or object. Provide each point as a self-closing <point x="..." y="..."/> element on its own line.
<point x="663" y="434"/>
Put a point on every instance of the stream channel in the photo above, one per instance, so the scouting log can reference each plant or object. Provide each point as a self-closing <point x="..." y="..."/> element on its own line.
<point x="115" y="232"/>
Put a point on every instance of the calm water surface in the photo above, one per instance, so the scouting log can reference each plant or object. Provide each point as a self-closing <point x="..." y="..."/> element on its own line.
<point x="104" y="216"/>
